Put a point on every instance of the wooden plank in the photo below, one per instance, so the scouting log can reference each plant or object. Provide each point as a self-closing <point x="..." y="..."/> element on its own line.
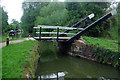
<point x="54" y="33"/>
<point x="55" y="27"/>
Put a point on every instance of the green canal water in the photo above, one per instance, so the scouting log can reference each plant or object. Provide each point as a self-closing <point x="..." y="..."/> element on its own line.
<point x="65" y="66"/>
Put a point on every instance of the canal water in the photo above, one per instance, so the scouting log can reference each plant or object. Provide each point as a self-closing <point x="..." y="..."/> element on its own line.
<point x="65" y="66"/>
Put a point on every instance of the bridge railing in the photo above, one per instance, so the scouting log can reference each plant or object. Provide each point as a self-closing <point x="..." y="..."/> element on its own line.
<point x="40" y="27"/>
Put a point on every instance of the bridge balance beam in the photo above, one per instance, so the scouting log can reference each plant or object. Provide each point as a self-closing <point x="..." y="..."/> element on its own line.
<point x="80" y="22"/>
<point x="77" y="36"/>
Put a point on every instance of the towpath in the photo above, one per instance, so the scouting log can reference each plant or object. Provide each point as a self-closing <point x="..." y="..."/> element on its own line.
<point x="3" y="44"/>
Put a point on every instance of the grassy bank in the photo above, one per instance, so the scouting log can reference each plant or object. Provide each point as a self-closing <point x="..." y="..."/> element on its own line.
<point x="16" y="58"/>
<point x="101" y="43"/>
<point x="98" y="49"/>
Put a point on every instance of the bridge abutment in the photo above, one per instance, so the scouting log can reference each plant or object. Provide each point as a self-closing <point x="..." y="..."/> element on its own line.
<point x="63" y="47"/>
<point x="51" y="49"/>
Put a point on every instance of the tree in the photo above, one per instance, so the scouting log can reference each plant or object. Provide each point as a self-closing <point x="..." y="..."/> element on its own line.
<point x="53" y="14"/>
<point x="118" y="22"/>
<point x="78" y="11"/>
<point x="15" y="25"/>
<point x="30" y="12"/>
<point x="4" y="21"/>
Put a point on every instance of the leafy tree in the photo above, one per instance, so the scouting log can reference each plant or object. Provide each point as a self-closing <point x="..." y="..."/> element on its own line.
<point x="15" y="25"/>
<point x="78" y="11"/>
<point x="112" y="32"/>
<point x="30" y="12"/>
<point x="119" y="22"/>
<point x="4" y="21"/>
<point x="53" y="14"/>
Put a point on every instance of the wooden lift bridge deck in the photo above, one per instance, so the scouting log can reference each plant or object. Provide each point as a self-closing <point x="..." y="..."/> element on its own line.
<point x="52" y="38"/>
<point x="61" y="38"/>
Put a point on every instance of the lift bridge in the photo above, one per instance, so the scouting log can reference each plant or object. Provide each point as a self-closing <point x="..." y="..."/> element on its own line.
<point x="59" y="35"/>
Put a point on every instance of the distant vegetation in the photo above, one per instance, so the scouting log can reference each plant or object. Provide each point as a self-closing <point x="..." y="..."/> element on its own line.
<point x="4" y="21"/>
<point x="64" y="14"/>
<point x="15" y="25"/>
<point x="67" y="14"/>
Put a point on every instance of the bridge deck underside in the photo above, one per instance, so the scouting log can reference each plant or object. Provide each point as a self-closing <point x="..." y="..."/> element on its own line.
<point x="52" y="38"/>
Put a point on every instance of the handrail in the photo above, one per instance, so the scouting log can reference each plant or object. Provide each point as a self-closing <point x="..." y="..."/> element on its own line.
<point x="54" y="33"/>
<point x="55" y="27"/>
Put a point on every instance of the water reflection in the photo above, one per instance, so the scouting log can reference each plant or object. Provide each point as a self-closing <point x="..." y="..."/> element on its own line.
<point x="53" y="75"/>
<point x="61" y="74"/>
<point x="49" y="76"/>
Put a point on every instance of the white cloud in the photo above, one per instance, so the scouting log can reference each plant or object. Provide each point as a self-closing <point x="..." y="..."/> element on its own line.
<point x="14" y="9"/>
<point x="61" y="0"/>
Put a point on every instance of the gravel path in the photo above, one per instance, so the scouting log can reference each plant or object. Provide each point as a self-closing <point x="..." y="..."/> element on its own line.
<point x="15" y="41"/>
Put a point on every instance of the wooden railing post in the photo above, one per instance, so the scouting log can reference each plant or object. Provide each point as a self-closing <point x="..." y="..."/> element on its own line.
<point x="57" y="33"/>
<point x="40" y="34"/>
<point x="35" y="32"/>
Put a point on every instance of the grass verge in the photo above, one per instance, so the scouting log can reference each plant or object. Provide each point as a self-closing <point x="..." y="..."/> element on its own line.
<point x="16" y="58"/>
<point x="101" y="43"/>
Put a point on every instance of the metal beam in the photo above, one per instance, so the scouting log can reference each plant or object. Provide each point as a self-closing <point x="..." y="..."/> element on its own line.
<point x="81" y="22"/>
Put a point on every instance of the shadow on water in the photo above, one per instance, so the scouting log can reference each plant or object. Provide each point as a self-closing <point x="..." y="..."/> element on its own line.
<point x="63" y="66"/>
<point x="47" y="51"/>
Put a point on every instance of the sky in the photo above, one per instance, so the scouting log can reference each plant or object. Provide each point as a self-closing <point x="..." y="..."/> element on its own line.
<point x="14" y="8"/>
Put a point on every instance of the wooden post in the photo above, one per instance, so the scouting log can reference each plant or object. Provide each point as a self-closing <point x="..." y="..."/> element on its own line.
<point x="40" y="34"/>
<point x="57" y="76"/>
<point x="35" y="32"/>
<point x="57" y="33"/>
<point x="7" y="41"/>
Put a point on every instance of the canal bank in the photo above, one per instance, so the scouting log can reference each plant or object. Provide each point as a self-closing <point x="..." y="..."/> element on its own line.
<point x="94" y="53"/>
<point x="31" y="69"/>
